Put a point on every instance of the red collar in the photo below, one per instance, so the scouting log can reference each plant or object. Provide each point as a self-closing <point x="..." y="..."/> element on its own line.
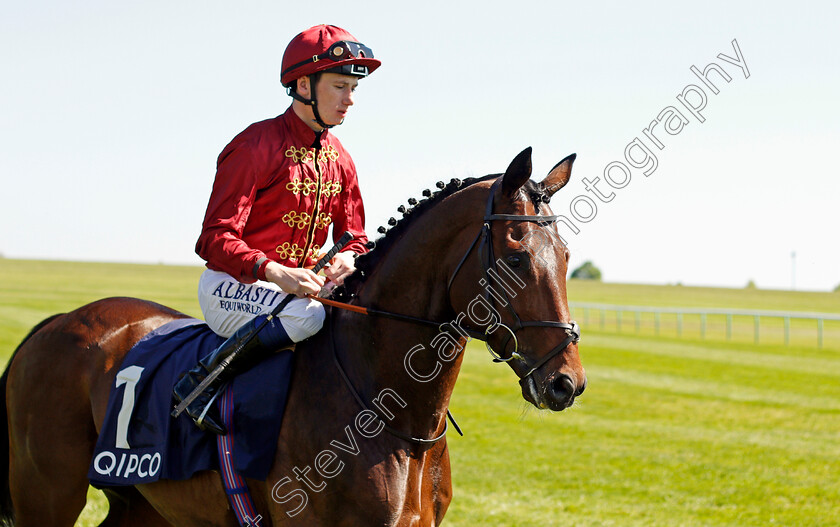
<point x="300" y="129"/>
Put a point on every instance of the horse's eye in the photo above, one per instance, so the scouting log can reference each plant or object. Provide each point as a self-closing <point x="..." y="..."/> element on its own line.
<point x="513" y="260"/>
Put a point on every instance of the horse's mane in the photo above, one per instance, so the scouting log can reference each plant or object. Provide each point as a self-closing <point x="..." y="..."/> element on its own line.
<point x="366" y="263"/>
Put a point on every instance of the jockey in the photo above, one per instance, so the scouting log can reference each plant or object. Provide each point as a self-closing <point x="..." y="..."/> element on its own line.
<point x="279" y="186"/>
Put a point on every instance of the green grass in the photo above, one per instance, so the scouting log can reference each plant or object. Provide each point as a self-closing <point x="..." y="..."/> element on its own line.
<point x="670" y="432"/>
<point x="32" y="290"/>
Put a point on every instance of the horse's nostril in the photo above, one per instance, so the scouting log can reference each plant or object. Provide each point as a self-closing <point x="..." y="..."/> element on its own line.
<point x="562" y="388"/>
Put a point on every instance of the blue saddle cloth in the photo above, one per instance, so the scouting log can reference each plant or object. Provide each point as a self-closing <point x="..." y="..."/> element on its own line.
<point x="140" y="442"/>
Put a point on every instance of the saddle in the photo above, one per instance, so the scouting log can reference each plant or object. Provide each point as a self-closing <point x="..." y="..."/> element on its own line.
<point x="141" y="443"/>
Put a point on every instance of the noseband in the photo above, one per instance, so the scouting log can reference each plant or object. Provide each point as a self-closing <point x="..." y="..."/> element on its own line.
<point x="490" y="270"/>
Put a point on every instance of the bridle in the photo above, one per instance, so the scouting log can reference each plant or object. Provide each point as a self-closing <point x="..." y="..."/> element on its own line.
<point x="490" y="271"/>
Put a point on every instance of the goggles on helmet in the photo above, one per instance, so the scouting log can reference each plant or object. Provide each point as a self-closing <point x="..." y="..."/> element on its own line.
<point x="337" y="52"/>
<point x="344" y="48"/>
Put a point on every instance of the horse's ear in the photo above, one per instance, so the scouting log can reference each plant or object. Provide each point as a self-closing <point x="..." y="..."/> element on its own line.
<point x="517" y="173"/>
<point x="558" y="177"/>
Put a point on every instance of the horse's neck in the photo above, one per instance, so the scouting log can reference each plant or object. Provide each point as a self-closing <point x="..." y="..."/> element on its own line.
<point x="395" y="370"/>
<point x="404" y="356"/>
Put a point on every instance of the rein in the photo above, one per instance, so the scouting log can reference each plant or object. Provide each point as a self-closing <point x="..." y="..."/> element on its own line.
<point x="388" y="314"/>
<point x="490" y="271"/>
<point x="391" y="430"/>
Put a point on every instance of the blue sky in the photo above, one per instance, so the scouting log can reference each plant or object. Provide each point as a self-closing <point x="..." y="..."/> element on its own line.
<point x="114" y="114"/>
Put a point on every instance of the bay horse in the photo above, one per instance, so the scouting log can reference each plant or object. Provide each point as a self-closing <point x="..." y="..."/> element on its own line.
<point x="362" y="439"/>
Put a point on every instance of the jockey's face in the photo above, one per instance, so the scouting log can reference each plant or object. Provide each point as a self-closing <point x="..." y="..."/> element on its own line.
<point x="335" y="96"/>
<point x="334" y="93"/>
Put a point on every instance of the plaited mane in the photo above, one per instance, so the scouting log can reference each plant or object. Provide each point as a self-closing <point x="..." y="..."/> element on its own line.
<point x="366" y="263"/>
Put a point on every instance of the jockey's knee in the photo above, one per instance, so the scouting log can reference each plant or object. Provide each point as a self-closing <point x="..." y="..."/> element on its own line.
<point x="302" y="318"/>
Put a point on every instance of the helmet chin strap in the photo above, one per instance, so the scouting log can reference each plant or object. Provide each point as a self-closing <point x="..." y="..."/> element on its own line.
<point x="313" y="103"/>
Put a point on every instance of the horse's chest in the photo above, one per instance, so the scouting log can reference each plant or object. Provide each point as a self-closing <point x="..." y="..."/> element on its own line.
<point x="419" y="489"/>
<point x="399" y="488"/>
<point x="395" y="493"/>
<point x="388" y="490"/>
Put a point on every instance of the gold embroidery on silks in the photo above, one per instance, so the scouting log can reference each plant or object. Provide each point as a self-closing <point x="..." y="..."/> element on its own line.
<point x="305" y="187"/>
<point x="323" y="221"/>
<point x="313" y="252"/>
<point x="289" y="251"/>
<point x="329" y="152"/>
<point x="293" y="251"/>
<point x="332" y="188"/>
<point x="306" y="155"/>
<point x="293" y="219"/>
<point x="300" y="154"/>
<point x="308" y="186"/>
<point x="320" y="188"/>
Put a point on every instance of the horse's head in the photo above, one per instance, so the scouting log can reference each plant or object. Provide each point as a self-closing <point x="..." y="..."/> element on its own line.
<point x="521" y="276"/>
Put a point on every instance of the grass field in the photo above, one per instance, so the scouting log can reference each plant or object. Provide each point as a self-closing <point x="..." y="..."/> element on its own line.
<point x="670" y="432"/>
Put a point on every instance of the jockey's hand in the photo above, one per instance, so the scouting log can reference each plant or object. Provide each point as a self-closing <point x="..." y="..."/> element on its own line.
<point x="294" y="280"/>
<point x="341" y="266"/>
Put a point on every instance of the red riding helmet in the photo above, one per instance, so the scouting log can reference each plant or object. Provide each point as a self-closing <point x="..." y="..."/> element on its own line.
<point x="323" y="48"/>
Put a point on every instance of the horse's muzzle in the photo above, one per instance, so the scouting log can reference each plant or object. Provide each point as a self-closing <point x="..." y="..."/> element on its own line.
<point x="557" y="392"/>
